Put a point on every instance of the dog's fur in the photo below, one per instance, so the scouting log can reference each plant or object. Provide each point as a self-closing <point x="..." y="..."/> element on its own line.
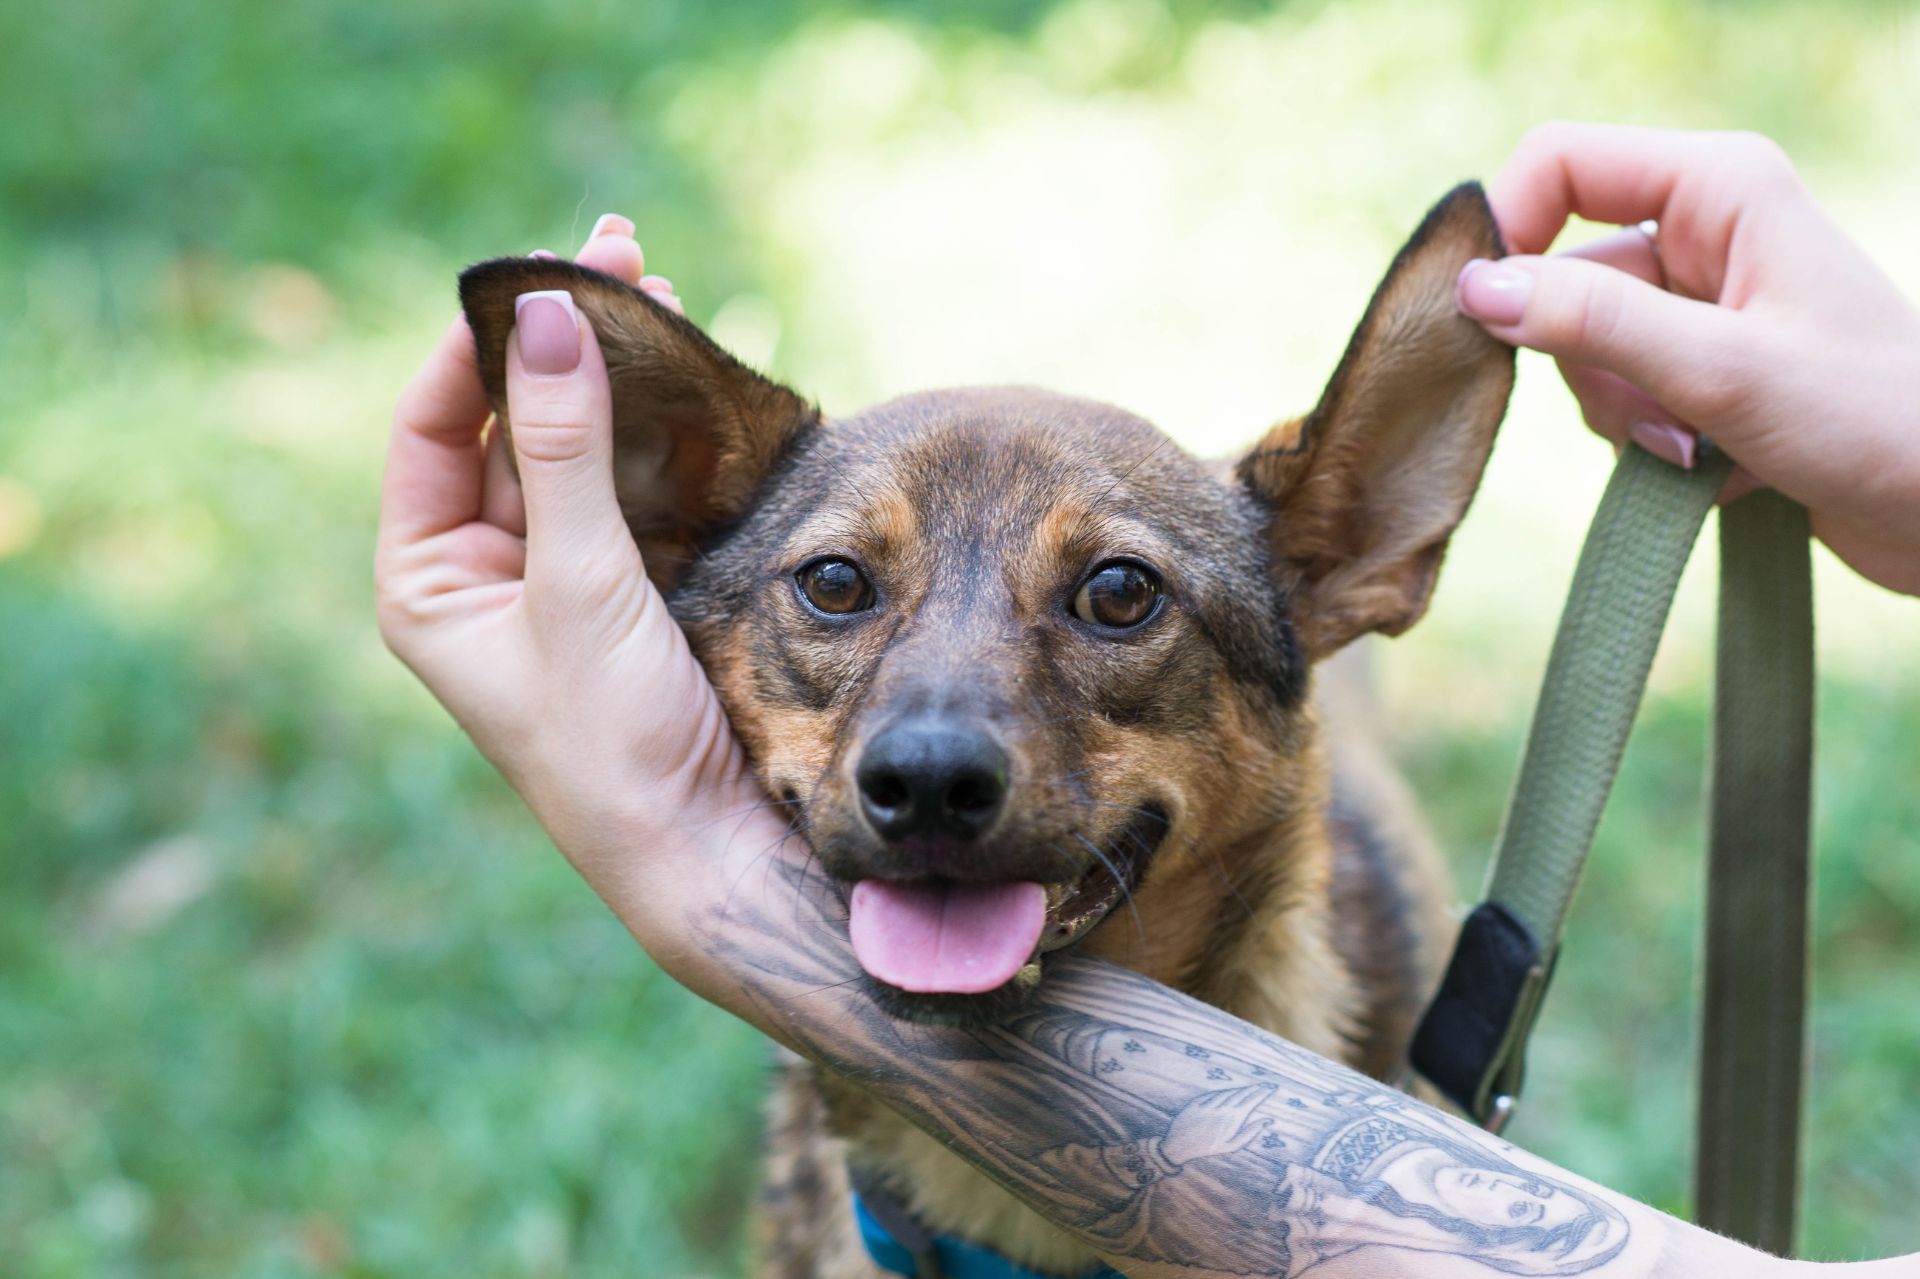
<point x="1277" y="871"/>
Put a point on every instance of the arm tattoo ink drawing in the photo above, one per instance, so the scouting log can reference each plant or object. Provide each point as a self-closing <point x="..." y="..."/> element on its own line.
<point x="1159" y="1129"/>
<point x="1284" y="1168"/>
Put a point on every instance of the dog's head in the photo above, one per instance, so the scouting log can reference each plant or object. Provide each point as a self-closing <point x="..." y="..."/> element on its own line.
<point x="1005" y="654"/>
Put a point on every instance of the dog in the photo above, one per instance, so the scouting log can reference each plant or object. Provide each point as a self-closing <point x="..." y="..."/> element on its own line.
<point x="1030" y="677"/>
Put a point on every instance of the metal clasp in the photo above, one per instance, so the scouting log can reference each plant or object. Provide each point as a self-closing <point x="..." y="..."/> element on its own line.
<point x="1500" y="1113"/>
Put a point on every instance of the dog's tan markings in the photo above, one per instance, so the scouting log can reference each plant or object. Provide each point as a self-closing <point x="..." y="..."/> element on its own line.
<point x="892" y="524"/>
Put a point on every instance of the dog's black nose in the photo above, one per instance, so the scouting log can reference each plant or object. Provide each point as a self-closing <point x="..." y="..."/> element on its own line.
<point x="931" y="776"/>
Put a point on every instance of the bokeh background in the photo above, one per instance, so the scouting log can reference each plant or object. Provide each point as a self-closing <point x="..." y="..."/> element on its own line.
<point x="289" y="983"/>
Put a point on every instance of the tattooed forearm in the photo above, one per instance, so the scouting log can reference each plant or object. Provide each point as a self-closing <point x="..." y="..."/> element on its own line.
<point x="1175" y="1138"/>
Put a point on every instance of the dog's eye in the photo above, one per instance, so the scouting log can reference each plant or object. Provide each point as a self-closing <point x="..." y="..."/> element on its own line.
<point x="835" y="586"/>
<point x="1119" y="594"/>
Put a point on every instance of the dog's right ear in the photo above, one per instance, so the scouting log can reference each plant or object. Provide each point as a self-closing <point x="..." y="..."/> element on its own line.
<point x="694" y="430"/>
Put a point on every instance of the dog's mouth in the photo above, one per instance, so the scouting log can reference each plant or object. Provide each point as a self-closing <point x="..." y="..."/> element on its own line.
<point x="947" y="948"/>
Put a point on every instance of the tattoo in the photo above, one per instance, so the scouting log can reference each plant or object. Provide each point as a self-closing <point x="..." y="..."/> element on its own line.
<point x="1160" y="1129"/>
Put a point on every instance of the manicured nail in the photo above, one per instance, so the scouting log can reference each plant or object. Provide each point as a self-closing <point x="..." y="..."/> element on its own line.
<point x="545" y="255"/>
<point x="549" y="332"/>
<point x="611" y="224"/>
<point x="1665" y="441"/>
<point x="1493" y="292"/>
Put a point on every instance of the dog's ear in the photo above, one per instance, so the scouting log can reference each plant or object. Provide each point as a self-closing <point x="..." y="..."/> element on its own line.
<point x="694" y="430"/>
<point x="1364" y="491"/>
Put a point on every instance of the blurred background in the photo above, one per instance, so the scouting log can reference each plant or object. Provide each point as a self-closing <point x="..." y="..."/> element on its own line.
<point x="290" y="984"/>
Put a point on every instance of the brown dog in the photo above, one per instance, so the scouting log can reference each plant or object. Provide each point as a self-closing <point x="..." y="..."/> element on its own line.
<point x="1029" y="676"/>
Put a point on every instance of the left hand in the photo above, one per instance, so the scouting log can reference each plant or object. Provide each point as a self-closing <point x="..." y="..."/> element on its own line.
<point x="513" y="589"/>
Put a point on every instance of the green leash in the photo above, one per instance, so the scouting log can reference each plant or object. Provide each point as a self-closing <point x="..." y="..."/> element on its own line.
<point x="1472" y="1042"/>
<point x="1759" y="840"/>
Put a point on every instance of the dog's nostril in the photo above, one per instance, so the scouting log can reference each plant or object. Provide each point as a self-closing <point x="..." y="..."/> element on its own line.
<point x="971" y="796"/>
<point x="884" y="790"/>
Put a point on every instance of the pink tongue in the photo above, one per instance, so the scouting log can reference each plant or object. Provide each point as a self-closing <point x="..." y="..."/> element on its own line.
<point x="943" y="937"/>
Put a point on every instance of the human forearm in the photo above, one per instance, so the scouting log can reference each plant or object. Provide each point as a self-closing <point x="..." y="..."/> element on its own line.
<point x="1294" y="1180"/>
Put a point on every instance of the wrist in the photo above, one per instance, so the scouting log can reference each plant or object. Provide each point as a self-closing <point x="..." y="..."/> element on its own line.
<point x="705" y="886"/>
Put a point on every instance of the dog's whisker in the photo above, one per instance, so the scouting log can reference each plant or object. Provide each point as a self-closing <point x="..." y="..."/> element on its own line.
<point x="766" y="859"/>
<point x="1213" y="860"/>
<point x="806" y="870"/>
<point x="744" y="815"/>
<point x="1134" y="810"/>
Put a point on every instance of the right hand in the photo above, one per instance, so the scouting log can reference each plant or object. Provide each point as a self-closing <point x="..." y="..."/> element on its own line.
<point x="1756" y="321"/>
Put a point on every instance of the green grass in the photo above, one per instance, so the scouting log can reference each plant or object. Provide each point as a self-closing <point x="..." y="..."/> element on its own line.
<point x="290" y="984"/>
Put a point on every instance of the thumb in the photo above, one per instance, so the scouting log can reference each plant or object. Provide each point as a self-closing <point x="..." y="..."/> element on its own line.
<point x="1693" y="357"/>
<point x="561" y="413"/>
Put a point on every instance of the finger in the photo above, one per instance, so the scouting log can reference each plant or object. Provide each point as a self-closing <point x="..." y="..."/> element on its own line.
<point x="501" y="503"/>
<point x="1629" y="249"/>
<point x="1609" y="404"/>
<point x="1612" y="173"/>
<point x="1692" y="357"/>
<point x="473" y="555"/>
<point x="562" y="430"/>
<point x="610" y="247"/>
<point x="1621" y="412"/>
<point x="434" y="461"/>
<point x="614" y="224"/>
<point x="660" y="289"/>
<point x="1739" y="484"/>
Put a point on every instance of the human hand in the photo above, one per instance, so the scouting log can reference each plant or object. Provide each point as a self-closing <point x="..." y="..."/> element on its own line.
<point x="1216" y="1123"/>
<point x="1750" y="317"/>
<point x="513" y="589"/>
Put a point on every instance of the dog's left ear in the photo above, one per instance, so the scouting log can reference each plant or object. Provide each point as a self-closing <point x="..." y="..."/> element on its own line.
<point x="695" y="432"/>
<point x="1364" y="491"/>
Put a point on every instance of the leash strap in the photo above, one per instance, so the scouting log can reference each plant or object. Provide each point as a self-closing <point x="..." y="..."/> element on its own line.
<point x="1753" y="1007"/>
<point x="1472" y="1042"/>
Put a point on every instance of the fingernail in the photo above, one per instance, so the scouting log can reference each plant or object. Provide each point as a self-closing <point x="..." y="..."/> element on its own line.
<point x="545" y="255"/>
<point x="656" y="283"/>
<point x="1665" y="441"/>
<point x="611" y="224"/>
<point x="549" y="332"/>
<point x="1493" y="292"/>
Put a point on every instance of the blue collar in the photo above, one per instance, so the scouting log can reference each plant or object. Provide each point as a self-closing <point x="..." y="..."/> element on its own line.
<point x="951" y="1258"/>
